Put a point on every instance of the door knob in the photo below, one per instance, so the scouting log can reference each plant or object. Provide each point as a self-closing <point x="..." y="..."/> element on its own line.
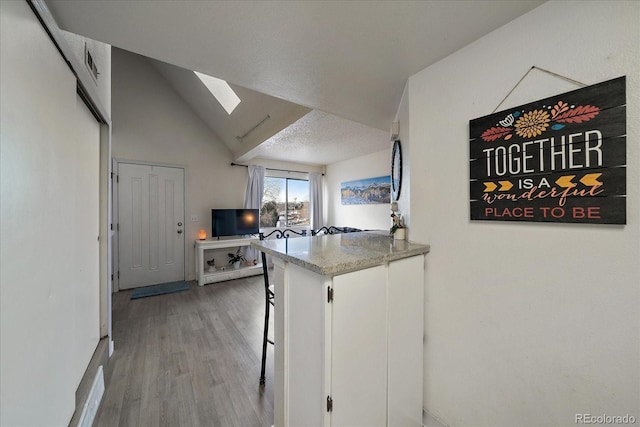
<point x="179" y="231"/>
<point x="179" y="224"/>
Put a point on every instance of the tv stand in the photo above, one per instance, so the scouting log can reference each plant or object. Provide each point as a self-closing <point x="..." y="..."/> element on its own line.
<point x="229" y="273"/>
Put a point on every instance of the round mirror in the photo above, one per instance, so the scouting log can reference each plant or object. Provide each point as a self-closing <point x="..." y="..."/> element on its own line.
<point x="396" y="169"/>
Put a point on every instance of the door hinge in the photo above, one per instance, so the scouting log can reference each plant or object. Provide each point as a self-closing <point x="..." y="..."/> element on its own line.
<point x="329" y="294"/>
<point x="111" y="226"/>
<point x="117" y="178"/>
<point x="112" y="277"/>
<point x="118" y="227"/>
<point x="118" y="274"/>
<point x="329" y="404"/>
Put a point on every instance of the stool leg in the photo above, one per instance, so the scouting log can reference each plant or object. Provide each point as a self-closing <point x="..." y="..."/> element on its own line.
<point x="266" y="318"/>
<point x="264" y="341"/>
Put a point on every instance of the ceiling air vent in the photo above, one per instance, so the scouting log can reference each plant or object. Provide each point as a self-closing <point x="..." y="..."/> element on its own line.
<point x="90" y="63"/>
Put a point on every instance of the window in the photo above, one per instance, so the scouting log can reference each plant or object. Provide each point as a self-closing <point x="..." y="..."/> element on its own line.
<point x="285" y="202"/>
<point x="221" y="91"/>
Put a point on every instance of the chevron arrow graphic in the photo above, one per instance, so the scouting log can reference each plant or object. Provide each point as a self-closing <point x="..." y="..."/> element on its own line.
<point x="565" y="181"/>
<point x="505" y="185"/>
<point x="591" y="179"/>
<point x="489" y="187"/>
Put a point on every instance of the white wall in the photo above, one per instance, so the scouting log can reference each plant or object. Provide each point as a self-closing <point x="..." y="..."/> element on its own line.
<point x="526" y="324"/>
<point x="370" y="217"/>
<point x="49" y="292"/>
<point x="152" y="123"/>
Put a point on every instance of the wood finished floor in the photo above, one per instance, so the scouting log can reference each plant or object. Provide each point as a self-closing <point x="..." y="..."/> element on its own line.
<point x="189" y="359"/>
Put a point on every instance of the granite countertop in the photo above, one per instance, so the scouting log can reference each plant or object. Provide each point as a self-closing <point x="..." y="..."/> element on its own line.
<point x="335" y="254"/>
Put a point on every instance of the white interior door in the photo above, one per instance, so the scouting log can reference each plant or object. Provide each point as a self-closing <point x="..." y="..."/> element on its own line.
<point x="151" y="224"/>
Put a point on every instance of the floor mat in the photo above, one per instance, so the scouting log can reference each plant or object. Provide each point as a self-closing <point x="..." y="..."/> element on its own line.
<point x="164" y="288"/>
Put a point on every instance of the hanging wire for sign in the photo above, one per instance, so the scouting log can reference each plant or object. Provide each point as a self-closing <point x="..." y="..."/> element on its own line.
<point x="560" y="76"/>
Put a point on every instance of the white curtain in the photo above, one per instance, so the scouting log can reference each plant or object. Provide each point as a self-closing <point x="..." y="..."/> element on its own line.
<point x="315" y="202"/>
<point x="253" y="199"/>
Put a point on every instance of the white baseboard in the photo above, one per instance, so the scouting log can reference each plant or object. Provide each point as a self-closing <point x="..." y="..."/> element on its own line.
<point x="112" y="347"/>
<point x="92" y="404"/>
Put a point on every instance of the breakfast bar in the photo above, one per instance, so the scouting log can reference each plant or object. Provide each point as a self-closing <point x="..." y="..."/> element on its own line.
<point x="348" y="329"/>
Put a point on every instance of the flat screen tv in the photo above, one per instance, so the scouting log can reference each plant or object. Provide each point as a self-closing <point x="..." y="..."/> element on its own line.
<point x="233" y="222"/>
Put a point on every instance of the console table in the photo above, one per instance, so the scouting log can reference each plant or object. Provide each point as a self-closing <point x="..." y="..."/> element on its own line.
<point x="348" y="330"/>
<point x="204" y="277"/>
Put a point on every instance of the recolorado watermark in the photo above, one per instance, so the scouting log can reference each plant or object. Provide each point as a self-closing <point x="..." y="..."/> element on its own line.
<point x="605" y="419"/>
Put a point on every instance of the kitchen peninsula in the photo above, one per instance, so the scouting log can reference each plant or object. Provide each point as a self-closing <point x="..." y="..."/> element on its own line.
<point x="348" y="329"/>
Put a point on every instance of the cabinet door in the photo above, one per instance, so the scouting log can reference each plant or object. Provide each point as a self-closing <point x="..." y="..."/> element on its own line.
<point x="303" y="341"/>
<point x="359" y="348"/>
<point x="406" y="326"/>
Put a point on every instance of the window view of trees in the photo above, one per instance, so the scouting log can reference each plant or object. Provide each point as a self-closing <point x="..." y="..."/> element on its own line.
<point x="285" y="202"/>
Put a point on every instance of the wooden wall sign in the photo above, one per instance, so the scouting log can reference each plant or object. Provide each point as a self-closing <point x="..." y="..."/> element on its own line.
<point x="560" y="159"/>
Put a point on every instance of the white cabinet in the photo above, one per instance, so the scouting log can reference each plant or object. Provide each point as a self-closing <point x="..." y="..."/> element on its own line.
<point x="229" y="273"/>
<point x="348" y="348"/>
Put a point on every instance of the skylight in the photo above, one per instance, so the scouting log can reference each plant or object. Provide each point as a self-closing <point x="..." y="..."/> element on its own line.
<point x="221" y="90"/>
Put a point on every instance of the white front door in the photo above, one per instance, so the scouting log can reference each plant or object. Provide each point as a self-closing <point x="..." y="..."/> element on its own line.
<point x="151" y="225"/>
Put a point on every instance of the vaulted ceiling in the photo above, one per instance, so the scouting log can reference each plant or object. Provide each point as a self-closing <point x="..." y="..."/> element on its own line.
<point x="350" y="59"/>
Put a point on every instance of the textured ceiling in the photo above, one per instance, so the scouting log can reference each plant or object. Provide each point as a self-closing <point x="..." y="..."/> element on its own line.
<point x="320" y="138"/>
<point x="349" y="58"/>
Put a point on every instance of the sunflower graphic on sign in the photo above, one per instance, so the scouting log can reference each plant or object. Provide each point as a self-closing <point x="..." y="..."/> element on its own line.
<point x="533" y="123"/>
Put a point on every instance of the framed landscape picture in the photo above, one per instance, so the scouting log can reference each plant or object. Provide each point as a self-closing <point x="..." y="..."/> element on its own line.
<point x="366" y="191"/>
